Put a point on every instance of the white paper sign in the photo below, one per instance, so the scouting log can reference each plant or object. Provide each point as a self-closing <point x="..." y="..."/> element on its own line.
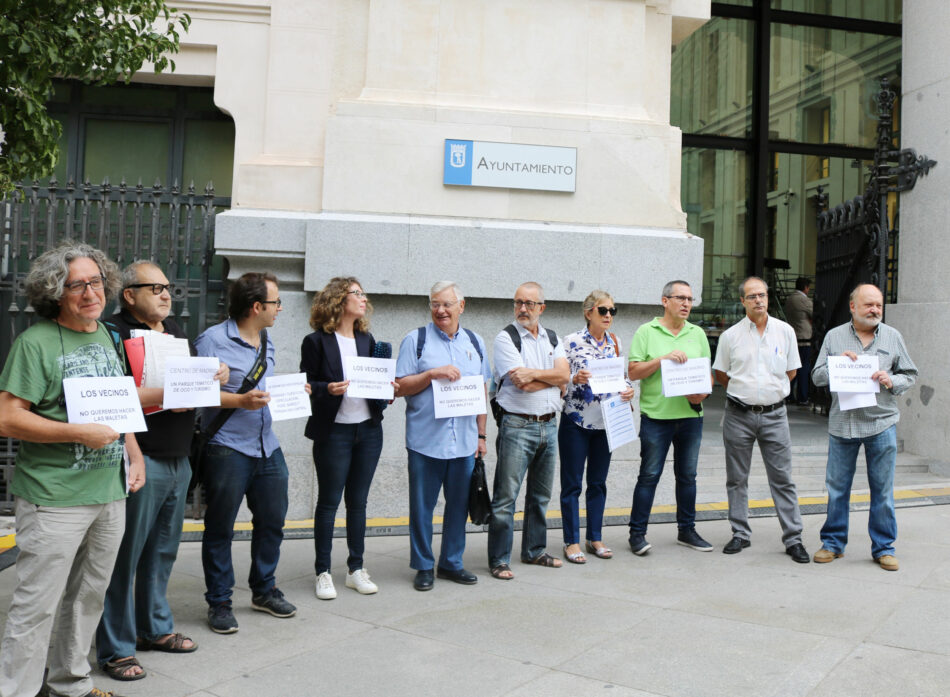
<point x="845" y="375"/>
<point x="288" y="397"/>
<point x="463" y="397"/>
<point x="189" y="383"/>
<point x="618" y="420"/>
<point x="606" y="375"/>
<point x="112" y="402"/>
<point x="681" y="379"/>
<point x="856" y="400"/>
<point x="370" y="378"/>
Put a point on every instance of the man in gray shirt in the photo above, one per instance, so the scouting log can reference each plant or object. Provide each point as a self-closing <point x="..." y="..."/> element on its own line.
<point x="875" y="427"/>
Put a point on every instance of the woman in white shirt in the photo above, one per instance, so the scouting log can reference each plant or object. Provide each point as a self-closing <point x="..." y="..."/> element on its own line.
<point x="347" y="432"/>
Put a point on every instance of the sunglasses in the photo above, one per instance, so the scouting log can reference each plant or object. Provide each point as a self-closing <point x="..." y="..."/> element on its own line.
<point x="604" y="310"/>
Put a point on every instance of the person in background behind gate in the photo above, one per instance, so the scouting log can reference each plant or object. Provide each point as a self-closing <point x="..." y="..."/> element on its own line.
<point x="68" y="482"/>
<point x="347" y="432"/>
<point x="798" y="313"/>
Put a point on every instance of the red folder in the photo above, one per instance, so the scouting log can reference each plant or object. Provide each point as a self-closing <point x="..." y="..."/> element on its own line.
<point x="135" y="353"/>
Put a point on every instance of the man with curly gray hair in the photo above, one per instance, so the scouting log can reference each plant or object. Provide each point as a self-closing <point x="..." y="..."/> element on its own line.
<point x="70" y="496"/>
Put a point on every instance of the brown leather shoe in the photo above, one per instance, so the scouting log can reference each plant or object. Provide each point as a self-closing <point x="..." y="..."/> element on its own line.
<point x="823" y="556"/>
<point x="888" y="562"/>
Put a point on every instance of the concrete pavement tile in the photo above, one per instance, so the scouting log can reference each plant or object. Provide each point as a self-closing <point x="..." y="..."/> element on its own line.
<point x="683" y="654"/>
<point x="939" y="578"/>
<point x="884" y="671"/>
<point x="920" y="622"/>
<point x="526" y="622"/>
<point x="781" y="593"/>
<point x="384" y="662"/>
<point x="556" y="684"/>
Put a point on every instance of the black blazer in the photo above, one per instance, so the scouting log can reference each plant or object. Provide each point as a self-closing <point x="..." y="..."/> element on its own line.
<point x="320" y="359"/>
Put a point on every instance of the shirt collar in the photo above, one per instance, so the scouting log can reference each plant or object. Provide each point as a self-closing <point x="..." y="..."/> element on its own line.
<point x="234" y="334"/>
<point x="854" y="332"/>
<point x="445" y="336"/>
<point x="132" y="321"/>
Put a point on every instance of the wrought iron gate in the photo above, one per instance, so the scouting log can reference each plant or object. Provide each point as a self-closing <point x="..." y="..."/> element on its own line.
<point x="856" y="243"/>
<point x="172" y="227"/>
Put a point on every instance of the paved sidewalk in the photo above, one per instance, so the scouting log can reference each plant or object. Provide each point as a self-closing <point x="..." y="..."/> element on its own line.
<point x="675" y="622"/>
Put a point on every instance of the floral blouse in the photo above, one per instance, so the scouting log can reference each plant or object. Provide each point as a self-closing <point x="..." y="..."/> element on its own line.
<point x="581" y="405"/>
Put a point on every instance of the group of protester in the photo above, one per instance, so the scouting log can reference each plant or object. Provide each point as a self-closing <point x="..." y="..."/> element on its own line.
<point x="97" y="561"/>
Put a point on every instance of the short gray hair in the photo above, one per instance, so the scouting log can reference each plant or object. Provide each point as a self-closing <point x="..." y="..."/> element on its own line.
<point x="130" y="276"/>
<point x="595" y="297"/>
<point x="445" y="285"/>
<point x="668" y="288"/>
<point x="47" y="278"/>
<point x="536" y="286"/>
<point x="751" y="278"/>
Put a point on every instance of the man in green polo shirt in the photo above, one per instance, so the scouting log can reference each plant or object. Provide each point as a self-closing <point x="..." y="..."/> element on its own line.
<point x="665" y="421"/>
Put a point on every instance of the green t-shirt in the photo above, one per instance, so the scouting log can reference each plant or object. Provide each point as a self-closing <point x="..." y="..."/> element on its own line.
<point x="653" y="340"/>
<point x="62" y="474"/>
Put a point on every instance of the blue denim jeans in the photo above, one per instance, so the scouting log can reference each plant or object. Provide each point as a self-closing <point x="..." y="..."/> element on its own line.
<point x="880" y="453"/>
<point x="229" y="477"/>
<point x="656" y="436"/>
<point x="427" y="475"/>
<point x="346" y="463"/>
<point x="136" y="603"/>
<point x="524" y="447"/>
<point x="579" y="445"/>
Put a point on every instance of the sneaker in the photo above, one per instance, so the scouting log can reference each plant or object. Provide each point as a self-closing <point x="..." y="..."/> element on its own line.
<point x="359" y="581"/>
<point x="690" y="538"/>
<point x="639" y="545"/>
<point x="221" y="619"/>
<point x="274" y="603"/>
<point x="325" y="588"/>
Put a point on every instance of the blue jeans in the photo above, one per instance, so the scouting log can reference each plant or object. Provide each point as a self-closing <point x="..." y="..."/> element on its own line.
<point x="229" y="477"/>
<point x="523" y="447"/>
<point x="427" y="475"/>
<point x="577" y="445"/>
<point x="656" y="436"/>
<point x="136" y="603"/>
<point x="346" y="463"/>
<point x="880" y="453"/>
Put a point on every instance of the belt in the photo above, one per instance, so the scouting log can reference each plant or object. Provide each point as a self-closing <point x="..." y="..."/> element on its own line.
<point x="544" y="418"/>
<point x="754" y="408"/>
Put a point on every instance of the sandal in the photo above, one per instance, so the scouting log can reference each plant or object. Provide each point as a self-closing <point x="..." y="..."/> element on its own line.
<point x="172" y="643"/>
<point x="603" y="552"/>
<point x="544" y="559"/>
<point x="499" y="571"/>
<point x="118" y="669"/>
<point x="576" y="557"/>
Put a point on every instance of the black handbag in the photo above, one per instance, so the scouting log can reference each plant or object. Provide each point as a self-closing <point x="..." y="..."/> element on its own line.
<point x="479" y="500"/>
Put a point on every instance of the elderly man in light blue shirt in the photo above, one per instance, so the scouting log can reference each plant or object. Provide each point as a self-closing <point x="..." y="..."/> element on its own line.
<point x="441" y="451"/>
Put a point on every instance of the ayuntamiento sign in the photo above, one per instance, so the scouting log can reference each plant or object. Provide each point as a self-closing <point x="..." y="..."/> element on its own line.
<point x="509" y="165"/>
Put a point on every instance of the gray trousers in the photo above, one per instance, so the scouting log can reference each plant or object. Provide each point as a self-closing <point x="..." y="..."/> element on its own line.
<point x="740" y="429"/>
<point x="63" y="570"/>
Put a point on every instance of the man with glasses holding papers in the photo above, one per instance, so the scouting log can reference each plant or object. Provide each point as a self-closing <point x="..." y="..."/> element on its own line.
<point x="441" y="450"/>
<point x="666" y="421"/>
<point x="874" y="427"/>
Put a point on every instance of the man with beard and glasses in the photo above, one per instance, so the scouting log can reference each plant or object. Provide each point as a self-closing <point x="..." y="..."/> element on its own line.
<point x="874" y="427"/>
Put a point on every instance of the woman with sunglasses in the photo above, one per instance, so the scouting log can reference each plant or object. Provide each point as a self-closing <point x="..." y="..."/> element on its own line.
<point x="581" y="435"/>
<point x="346" y="431"/>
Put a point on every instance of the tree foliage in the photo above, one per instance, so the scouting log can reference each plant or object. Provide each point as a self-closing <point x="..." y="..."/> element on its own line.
<point x="96" y="42"/>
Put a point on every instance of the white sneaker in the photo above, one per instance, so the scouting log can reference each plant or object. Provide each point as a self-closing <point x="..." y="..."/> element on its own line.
<point x="325" y="589"/>
<point x="359" y="581"/>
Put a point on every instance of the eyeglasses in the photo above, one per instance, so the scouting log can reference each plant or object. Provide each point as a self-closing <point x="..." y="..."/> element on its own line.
<point x="358" y="293"/>
<point x="448" y="306"/>
<point x="79" y="287"/>
<point x="756" y="296"/>
<point x="604" y="310"/>
<point x="271" y="302"/>
<point x="528" y="304"/>
<point x="680" y="298"/>
<point x="157" y="288"/>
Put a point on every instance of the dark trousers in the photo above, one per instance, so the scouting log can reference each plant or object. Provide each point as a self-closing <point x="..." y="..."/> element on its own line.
<point x="576" y="446"/>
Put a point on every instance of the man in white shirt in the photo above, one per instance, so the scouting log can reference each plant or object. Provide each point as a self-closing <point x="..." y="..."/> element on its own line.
<point x="756" y="359"/>
<point x="530" y="368"/>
